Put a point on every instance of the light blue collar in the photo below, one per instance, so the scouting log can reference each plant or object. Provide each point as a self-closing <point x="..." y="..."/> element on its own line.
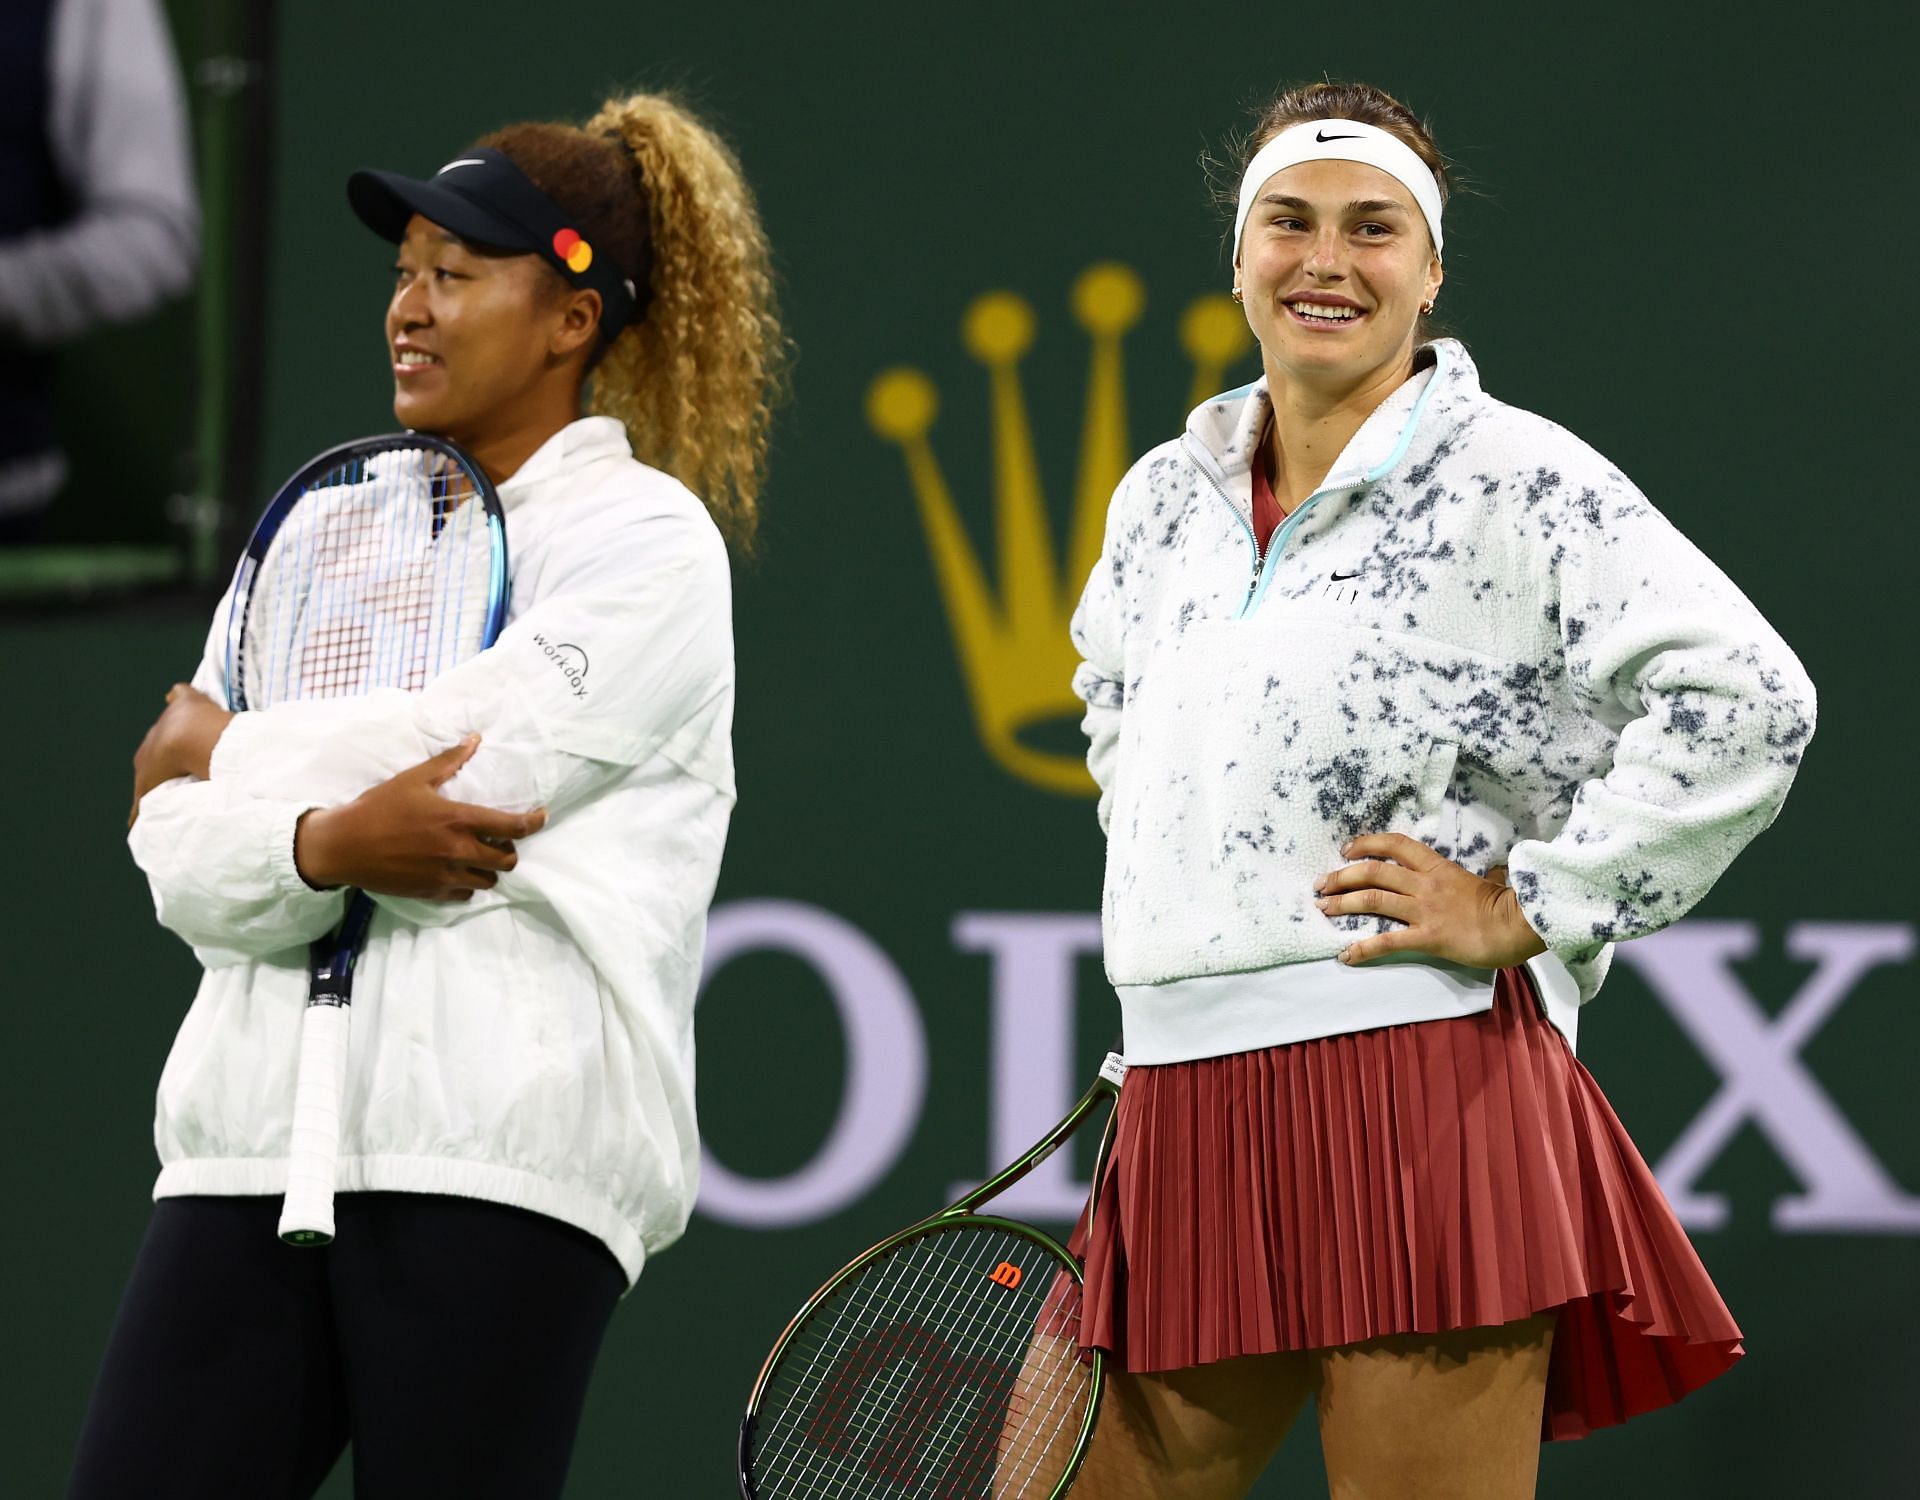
<point x="1224" y="432"/>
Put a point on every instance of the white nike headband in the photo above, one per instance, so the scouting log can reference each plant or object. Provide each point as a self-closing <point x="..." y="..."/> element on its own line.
<point x="1340" y="140"/>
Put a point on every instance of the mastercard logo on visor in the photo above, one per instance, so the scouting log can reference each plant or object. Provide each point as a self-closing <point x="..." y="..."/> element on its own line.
<point x="576" y="252"/>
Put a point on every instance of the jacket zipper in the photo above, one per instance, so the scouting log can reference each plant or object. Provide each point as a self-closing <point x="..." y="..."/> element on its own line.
<point x="1277" y="542"/>
<point x="1274" y="542"/>
<point x="1275" y="545"/>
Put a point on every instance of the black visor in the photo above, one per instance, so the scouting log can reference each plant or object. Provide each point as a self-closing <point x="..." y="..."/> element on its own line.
<point x="485" y="199"/>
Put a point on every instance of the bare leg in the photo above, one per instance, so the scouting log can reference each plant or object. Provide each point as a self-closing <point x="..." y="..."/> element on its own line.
<point x="1040" y="1432"/>
<point x="1198" y="1434"/>
<point x="1442" y="1416"/>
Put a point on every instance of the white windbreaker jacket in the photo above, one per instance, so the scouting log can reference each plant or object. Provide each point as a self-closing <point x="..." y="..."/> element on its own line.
<point x="534" y="1045"/>
<point x="1476" y="633"/>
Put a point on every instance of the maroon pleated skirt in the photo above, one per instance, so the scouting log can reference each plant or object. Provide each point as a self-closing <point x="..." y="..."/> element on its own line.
<point x="1408" y="1179"/>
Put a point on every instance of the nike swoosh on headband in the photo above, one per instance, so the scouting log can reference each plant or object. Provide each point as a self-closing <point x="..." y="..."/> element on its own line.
<point x="1369" y="145"/>
<point x="465" y="161"/>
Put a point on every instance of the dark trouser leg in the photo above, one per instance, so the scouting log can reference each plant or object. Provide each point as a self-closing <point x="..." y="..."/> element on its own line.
<point x="468" y="1331"/>
<point x="219" y="1378"/>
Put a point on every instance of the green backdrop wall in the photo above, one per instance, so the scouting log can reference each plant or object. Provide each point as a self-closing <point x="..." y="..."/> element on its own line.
<point x="1687" y="244"/>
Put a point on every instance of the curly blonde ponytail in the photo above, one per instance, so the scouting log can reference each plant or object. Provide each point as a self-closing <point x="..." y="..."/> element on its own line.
<point x="696" y="375"/>
<point x="695" y="379"/>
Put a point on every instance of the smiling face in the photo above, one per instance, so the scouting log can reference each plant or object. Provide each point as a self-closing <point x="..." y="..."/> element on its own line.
<point x="479" y="341"/>
<point x="1334" y="264"/>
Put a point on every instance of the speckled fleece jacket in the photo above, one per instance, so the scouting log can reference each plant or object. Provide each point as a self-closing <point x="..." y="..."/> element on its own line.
<point x="1478" y="633"/>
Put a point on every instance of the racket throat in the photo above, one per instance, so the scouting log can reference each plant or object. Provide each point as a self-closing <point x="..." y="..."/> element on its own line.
<point x="331" y="959"/>
<point x="1104" y="1088"/>
<point x="332" y="975"/>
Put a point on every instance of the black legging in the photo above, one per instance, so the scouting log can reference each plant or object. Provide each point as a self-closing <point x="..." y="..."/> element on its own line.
<point x="450" y="1340"/>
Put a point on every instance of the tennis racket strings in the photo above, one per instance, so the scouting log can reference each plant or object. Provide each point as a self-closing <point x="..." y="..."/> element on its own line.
<point x="381" y="576"/>
<point x="942" y="1363"/>
<point x="948" y="1367"/>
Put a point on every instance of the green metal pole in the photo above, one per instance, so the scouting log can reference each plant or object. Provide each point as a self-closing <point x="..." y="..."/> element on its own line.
<point x="224" y="72"/>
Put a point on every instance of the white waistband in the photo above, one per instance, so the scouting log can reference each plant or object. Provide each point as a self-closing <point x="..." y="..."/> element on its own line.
<point x="1212" y="1015"/>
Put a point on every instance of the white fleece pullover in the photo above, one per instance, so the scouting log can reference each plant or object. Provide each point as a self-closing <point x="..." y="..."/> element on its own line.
<point x="1476" y="633"/>
<point x="534" y="1045"/>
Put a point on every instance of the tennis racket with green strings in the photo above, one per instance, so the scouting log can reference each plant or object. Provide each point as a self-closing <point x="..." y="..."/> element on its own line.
<point x="941" y="1364"/>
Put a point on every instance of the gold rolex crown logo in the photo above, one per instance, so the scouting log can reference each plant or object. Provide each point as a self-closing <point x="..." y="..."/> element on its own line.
<point x="1014" y="649"/>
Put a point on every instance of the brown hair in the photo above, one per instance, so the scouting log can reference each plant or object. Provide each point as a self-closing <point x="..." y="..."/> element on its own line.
<point x="1344" y="101"/>
<point x="694" y="377"/>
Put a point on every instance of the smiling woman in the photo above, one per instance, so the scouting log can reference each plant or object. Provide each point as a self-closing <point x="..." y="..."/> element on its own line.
<point x="539" y="828"/>
<point x="1395" y="738"/>
<point x="1336" y="244"/>
<point x="626" y="253"/>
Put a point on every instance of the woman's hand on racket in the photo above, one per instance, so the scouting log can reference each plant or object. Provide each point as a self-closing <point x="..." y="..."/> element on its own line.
<point x="404" y="838"/>
<point x="1449" y="911"/>
<point x="180" y="743"/>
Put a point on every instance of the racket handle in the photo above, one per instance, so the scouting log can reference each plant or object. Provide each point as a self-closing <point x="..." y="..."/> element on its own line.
<point x="306" y="1218"/>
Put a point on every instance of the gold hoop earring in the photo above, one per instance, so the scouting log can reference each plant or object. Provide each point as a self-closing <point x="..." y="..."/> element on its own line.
<point x="1239" y="296"/>
<point x="1426" y="307"/>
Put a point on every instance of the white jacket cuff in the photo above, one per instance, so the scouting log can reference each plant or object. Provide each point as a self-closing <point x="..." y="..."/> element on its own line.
<point x="283" y="830"/>
<point x="221" y="869"/>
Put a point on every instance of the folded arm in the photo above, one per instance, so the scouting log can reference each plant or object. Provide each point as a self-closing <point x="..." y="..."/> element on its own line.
<point x="594" y="679"/>
<point x="221" y="868"/>
<point x="220" y="864"/>
<point x="585" y="685"/>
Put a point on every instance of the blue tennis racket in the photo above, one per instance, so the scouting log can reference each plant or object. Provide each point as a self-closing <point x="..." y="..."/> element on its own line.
<point x="380" y="564"/>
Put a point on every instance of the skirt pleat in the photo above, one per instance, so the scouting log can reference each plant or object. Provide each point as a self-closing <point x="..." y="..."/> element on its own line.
<point x="1410" y="1179"/>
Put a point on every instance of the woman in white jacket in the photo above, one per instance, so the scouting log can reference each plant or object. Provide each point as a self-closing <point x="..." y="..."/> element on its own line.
<point x="541" y="828"/>
<point x="1405" y="706"/>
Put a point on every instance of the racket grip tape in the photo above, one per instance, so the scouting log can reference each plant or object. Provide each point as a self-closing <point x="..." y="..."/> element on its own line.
<point x="306" y="1218"/>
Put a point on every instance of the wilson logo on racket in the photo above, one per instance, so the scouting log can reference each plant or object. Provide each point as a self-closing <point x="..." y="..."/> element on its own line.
<point x="891" y="1391"/>
<point x="1006" y="1274"/>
